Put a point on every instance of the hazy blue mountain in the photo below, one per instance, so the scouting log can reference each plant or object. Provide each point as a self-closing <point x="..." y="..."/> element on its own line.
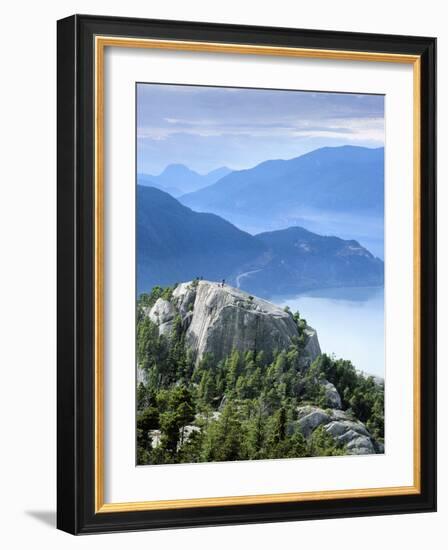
<point x="216" y="174"/>
<point x="178" y="179"/>
<point x="333" y="190"/>
<point x="147" y="181"/>
<point x="176" y="244"/>
<point x="332" y="178"/>
<point x="301" y="260"/>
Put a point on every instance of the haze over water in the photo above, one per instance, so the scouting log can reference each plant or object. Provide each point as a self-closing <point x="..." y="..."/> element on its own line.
<point x="349" y="323"/>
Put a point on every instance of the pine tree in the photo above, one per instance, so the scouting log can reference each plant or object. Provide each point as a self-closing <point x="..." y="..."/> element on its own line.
<point x="321" y="443"/>
<point x="225" y="437"/>
<point x="233" y="369"/>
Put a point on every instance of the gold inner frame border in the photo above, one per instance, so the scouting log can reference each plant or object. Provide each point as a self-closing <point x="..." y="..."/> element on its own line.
<point x="100" y="43"/>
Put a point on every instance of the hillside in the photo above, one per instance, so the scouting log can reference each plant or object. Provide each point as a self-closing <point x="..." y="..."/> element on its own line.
<point x="174" y="244"/>
<point x="332" y="178"/>
<point x="302" y="260"/>
<point x="333" y="190"/>
<point x="224" y="375"/>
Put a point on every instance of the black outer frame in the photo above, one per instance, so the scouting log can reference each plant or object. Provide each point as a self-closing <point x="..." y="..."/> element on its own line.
<point x="75" y="295"/>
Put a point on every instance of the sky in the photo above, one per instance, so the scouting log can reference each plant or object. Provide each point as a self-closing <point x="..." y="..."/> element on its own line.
<point x="209" y="127"/>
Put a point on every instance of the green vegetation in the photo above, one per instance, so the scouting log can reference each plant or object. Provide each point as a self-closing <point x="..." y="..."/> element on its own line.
<point x="243" y="407"/>
<point x="360" y="394"/>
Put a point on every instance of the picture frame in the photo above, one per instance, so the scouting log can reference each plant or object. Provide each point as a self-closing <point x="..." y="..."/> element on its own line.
<point x="82" y="203"/>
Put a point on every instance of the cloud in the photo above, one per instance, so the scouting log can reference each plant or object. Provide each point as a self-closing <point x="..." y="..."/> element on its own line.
<point x="351" y="129"/>
<point x="235" y="126"/>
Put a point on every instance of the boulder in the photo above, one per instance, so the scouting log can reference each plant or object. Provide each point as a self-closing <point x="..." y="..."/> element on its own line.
<point x="142" y="377"/>
<point x="155" y="438"/>
<point x="360" y="445"/>
<point x="339" y="415"/>
<point x="312" y="347"/>
<point x="162" y="314"/>
<point x="332" y="395"/>
<point x="353" y="434"/>
<point x="184" y="296"/>
<point x="309" y="418"/>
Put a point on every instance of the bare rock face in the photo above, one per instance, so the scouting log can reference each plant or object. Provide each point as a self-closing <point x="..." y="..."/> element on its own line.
<point x="345" y="431"/>
<point x="312" y="348"/>
<point x="332" y="395"/>
<point x="309" y="418"/>
<point x="162" y="314"/>
<point x="218" y="318"/>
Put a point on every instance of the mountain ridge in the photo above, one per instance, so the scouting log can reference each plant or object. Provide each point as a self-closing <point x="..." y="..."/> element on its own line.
<point x="171" y="243"/>
<point x="175" y="243"/>
<point x="178" y="179"/>
<point x="265" y="171"/>
<point x="333" y="190"/>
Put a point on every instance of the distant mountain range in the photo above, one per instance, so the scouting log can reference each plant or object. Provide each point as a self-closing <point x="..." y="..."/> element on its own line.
<point x="332" y="178"/>
<point x="333" y="190"/>
<point x="178" y="179"/>
<point x="176" y="244"/>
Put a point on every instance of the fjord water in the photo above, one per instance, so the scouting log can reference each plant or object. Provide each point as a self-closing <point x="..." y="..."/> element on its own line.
<point x="349" y="323"/>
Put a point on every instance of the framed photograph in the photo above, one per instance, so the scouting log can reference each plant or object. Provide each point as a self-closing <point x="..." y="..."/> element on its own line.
<point x="246" y="274"/>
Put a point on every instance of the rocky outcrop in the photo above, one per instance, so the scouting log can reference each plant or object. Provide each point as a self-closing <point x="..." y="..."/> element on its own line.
<point x="162" y="314"/>
<point x="332" y="395"/>
<point x="218" y="319"/>
<point x="346" y="432"/>
<point x="155" y="436"/>
<point x="309" y="418"/>
<point x="312" y="347"/>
